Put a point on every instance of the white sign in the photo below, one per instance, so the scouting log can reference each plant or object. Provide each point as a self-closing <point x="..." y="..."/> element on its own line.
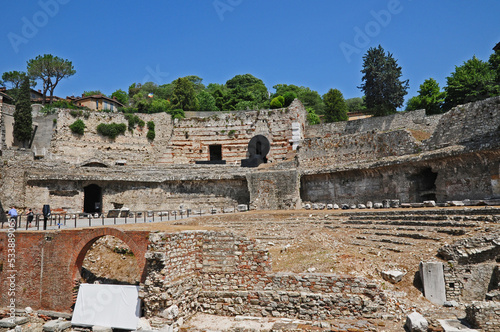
<point x="116" y="306"/>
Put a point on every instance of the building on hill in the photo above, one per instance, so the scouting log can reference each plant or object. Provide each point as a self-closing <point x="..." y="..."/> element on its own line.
<point x="96" y="102"/>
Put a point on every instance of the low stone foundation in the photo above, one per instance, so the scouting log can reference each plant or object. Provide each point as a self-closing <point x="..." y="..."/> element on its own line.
<point x="484" y="315"/>
<point x="225" y="274"/>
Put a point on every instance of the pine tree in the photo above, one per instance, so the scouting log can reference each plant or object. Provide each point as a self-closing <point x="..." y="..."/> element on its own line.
<point x="383" y="88"/>
<point x="335" y="106"/>
<point x="23" y="120"/>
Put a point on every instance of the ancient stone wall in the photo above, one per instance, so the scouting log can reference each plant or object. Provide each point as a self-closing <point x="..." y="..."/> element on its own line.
<point x="465" y="283"/>
<point x="416" y="120"/>
<point x="335" y="151"/>
<point x="220" y="273"/>
<point x="133" y="147"/>
<point x="484" y="315"/>
<point x="274" y="190"/>
<point x="192" y="137"/>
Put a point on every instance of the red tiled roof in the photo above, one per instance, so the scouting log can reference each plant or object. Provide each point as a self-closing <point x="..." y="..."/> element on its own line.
<point x="77" y="99"/>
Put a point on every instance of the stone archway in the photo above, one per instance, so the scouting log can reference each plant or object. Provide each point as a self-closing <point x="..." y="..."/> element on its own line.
<point x="88" y="240"/>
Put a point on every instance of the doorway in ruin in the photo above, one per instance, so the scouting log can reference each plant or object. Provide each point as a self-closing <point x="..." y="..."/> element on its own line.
<point x="109" y="260"/>
<point x="92" y="202"/>
<point x="424" y="185"/>
<point x="215" y="152"/>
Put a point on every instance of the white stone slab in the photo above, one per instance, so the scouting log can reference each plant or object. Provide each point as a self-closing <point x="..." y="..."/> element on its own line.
<point x="116" y="306"/>
<point x="432" y="276"/>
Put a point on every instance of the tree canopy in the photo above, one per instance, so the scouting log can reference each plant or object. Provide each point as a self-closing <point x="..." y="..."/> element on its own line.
<point x="430" y="97"/>
<point x="335" y="106"/>
<point x="23" y="120"/>
<point x="50" y="70"/>
<point x="472" y="81"/>
<point x="383" y="88"/>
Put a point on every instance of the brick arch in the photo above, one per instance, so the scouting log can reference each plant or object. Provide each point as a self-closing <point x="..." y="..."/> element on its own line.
<point x="89" y="238"/>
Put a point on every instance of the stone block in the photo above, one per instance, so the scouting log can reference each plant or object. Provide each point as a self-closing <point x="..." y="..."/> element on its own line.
<point x="329" y="206"/>
<point x="455" y="203"/>
<point x="386" y="203"/>
<point x="430" y="203"/>
<point x="393" y="276"/>
<point x="171" y="312"/>
<point x="336" y="206"/>
<point x="415" y="322"/>
<point x="361" y="206"/>
<point x="378" y="205"/>
<point x="56" y="325"/>
<point x="369" y="205"/>
<point x="307" y="206"/>
<point x="242" y="207"/>
<point x="432" y="276"/>
<point x="395" y="203"/>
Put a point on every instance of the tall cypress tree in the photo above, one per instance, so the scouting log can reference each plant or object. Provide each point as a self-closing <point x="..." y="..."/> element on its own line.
<point x="383" y="88"/>
<point x="335" y="106"/>
<point x="23" y="120"/>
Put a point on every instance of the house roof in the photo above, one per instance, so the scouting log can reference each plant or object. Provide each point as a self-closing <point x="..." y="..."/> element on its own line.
<point x="5" y="96"/>
<point x="98" y="97"/>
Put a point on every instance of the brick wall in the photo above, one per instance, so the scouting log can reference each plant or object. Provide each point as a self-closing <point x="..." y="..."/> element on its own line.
<point x="224" y="274"/>
<point x="48" y="264"/>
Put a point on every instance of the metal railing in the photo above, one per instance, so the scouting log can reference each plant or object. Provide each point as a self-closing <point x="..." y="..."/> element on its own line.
<point x="114" y="217"/>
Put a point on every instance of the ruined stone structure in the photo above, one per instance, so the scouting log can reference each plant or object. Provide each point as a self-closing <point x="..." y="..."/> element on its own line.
<point x="197" y="271"/>
<point x="195" y="162"/>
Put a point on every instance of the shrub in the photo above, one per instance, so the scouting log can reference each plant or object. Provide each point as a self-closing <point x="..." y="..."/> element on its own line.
<point x="277" y="102"/>
<point x="151" y="125"/>
<point x="151" y="134"/>
<point x="141" y="123"/>
<point x="289" y="97"/>
<point x="111" y="130"/>
<point x="77" y="127"/>
<point x="312" y="117"/>
<point x="177" y="113"/>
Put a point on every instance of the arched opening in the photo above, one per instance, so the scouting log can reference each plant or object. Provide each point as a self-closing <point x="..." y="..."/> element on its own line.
<point x="423" y="185"/>
<point x="109" y="260"/>
<point x="92" y="202"/>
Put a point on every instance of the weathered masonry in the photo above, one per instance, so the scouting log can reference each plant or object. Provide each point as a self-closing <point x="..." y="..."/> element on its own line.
<point x="198" y="271"/>
<point x="196" y="162"/>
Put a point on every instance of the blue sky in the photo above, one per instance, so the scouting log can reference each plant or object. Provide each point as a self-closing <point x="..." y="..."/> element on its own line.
<point x="318" y="44"/>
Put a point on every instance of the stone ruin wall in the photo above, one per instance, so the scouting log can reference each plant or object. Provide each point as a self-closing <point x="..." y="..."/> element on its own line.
<point x="191" y="137"/>
<point x="138" y="189"/>
<point x="220" y="273"/>
<point x="352" y="165"/>
<point x="182" y="141"/>
<point x="133" y="147"/>
<point x="415" y="120"/>
<point x="468" y="176"/>
<point x="484" y="316"/>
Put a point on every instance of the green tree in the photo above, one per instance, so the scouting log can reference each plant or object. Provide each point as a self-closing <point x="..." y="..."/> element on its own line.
<point x="51" y="70"/>
<point x="335" y="106"/>
<point x="184" y="95"/>
<point x="93" y="93"/>
<point x="289" y="97"/>
<point x="494" y="62"/>
<point x="23" y="120"/>
<point x="355" y="105"/>
<point x="206" y="101"/>
<point x="221" y="95"/>
<point x="278" y="102"/>
<point x="430" y="98"/>
<point x="308" y="97"/>
<point x="472" y="81"/>
<point x="121" y="96"/>
<point x="312" y="117"/>
<point x="246" y="91"/>
<point x="15" y="78"/>
<point x="383" y="88"/>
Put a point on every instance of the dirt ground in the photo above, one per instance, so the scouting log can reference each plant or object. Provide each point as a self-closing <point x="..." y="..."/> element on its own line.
<point x="320" y="241"/>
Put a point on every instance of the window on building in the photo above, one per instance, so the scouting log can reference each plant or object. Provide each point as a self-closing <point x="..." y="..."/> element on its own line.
<point x="215" y="152"/>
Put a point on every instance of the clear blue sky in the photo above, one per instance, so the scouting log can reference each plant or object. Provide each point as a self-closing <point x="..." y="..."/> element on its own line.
<point x="318" y="44"/>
